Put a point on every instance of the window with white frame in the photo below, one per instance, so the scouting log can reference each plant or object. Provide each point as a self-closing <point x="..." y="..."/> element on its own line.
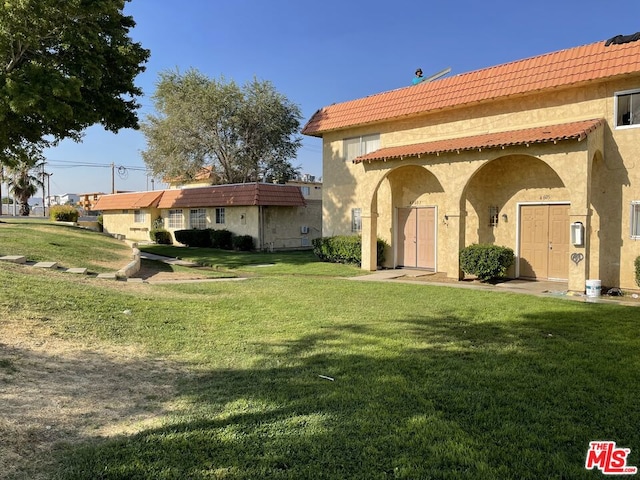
<point x="198" y="218"/>
<point x="139" y="216"/>
<point x="175" y="218"/>
<point x="358" y="146"/>
<point x="356" y="220"/>
<point x="635" y="219"/>
<point x="220" y="215"/>
<point x="306" y="191"/>
<point x="627" y="108"/>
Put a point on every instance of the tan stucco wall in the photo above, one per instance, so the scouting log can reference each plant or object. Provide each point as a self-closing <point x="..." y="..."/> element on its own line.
<point x="283" y="226"/>
<point x="121" y="222"/>
<point x="239" y="220"/>
<point x="597" y="176"/>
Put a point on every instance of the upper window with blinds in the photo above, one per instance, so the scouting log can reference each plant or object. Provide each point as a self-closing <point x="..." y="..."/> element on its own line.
<point x="628" y="108"/>
<point x="357" y="146"/>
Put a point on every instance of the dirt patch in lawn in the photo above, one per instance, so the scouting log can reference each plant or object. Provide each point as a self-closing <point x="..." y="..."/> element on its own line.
<point x="55" y="392"/>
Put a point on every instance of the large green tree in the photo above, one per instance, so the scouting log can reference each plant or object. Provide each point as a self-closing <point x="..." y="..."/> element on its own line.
<point x="64" y="66"/>
<point x="244" y="134"/>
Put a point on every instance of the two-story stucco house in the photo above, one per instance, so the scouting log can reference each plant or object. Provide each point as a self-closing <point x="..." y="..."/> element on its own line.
<point x="520" y="155"/>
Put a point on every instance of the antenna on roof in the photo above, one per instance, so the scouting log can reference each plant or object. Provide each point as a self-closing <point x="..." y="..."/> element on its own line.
<point x="435" y="76"/>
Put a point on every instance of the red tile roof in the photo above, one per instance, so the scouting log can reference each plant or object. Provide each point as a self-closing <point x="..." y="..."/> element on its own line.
<point x="247" y="194"/>
<point x="124" y="201"/>
<point x="551" y="133"/>
<point x="553" y="70"/>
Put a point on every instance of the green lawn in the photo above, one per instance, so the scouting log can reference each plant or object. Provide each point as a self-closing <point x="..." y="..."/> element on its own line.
<point x="57" y="242"/>
<point x="264" y="263"/>
<point x="423" y="382"/>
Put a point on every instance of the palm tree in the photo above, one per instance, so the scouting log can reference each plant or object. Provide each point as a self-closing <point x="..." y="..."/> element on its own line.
<point x="24" y="183"/>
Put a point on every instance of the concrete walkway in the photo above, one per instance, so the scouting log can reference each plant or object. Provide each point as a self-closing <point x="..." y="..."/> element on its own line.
<point x="529" y="287"/>
<point x="168" y="260"/>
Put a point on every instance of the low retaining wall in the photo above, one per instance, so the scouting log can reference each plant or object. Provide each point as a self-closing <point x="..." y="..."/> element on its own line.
<point x="132" y="267"/>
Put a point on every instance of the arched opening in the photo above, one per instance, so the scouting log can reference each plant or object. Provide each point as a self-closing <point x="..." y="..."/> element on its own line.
<point x="408" y="220"/>
<point x="519" y="201"/>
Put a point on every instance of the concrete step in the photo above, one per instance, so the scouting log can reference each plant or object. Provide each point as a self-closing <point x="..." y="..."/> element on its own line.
<point x="14" y="259"/>
<point x="79" y="271"/>
<point x="46" y="265"/>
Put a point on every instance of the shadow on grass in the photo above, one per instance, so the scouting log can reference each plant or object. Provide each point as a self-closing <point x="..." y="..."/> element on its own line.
<point x="231" y="259"/>
<point x="439" y="398"/>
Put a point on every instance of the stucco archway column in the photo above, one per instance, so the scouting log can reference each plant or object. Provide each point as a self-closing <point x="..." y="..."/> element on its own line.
<point x="575" y="169"/>
<point x="369" y="241"/>
<point x="452" y="228"/>
<point x="580" y="211"/>
<point x="452" y="215"/>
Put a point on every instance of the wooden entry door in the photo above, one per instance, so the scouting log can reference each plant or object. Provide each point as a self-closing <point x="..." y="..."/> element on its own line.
<point x="544" y="241"/>
<point x="416" y="238"/>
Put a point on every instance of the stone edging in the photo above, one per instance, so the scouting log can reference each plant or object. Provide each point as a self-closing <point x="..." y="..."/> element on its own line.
<point x="133" y="266"/>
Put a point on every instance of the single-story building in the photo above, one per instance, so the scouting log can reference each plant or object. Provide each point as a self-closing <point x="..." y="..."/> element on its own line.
<point x="278" y="217"/>
<point x="541" y="155"/>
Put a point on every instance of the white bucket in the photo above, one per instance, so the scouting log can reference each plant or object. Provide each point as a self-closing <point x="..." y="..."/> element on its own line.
<point x="593" y="288"/>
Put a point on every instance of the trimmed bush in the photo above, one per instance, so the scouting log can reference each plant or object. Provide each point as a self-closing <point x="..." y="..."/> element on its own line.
<point x="160" y="236"/>
<point x="243" y="243"/>
<point x="637" y="264"/>
<point x="221" y="239"/>
<point x="193" y="237"/>
<point x="486" y="261"/>
<point x="344" y="249"/>
<point x="63" y="213"/>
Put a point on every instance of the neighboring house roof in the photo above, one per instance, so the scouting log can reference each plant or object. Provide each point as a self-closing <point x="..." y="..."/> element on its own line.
<point x="550" y="133"/>
<point x="553" y="70"/>
<point x="246" y="194"/>
<point x="204" y="174"/>
<point x="123" y="201"/>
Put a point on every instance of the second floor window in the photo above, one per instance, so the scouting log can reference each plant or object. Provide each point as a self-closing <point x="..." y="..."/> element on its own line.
<point x="358" y="146"/>
<point x="628" y="108"/>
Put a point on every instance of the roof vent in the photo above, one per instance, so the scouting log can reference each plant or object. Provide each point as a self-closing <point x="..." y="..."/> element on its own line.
<point x="619" y="39"/>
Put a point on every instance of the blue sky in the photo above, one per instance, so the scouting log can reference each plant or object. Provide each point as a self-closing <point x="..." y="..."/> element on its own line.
<point x="321" y="53"/>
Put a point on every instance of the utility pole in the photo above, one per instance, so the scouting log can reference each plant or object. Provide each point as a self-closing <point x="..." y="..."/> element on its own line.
<point x="44" y="192"/>
<point x="113" y="178"/>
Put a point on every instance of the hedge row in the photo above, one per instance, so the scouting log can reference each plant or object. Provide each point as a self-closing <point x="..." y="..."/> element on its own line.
<point x="63" y="213"/>
<point x="160" y="236"/>
<point x="210" y="238"/>
<point x="344" y="249"/>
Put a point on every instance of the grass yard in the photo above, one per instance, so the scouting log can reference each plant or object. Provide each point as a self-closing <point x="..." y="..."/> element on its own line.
<point x="57" y="242"/>
<point x="276" y="263"/>
<point x="307" y="376"/>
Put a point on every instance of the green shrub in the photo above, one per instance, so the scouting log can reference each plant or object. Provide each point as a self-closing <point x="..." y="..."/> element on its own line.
<point x="221" y="239"/>
<point x="486" y="261"/>
<point x="637" y="263"/>
<point x="243" y="243"/>
<point x="344" y="249"/>
<point x="63" y="213"/>
<point x="193" y="237"/>
<point x="160" y="236"/>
